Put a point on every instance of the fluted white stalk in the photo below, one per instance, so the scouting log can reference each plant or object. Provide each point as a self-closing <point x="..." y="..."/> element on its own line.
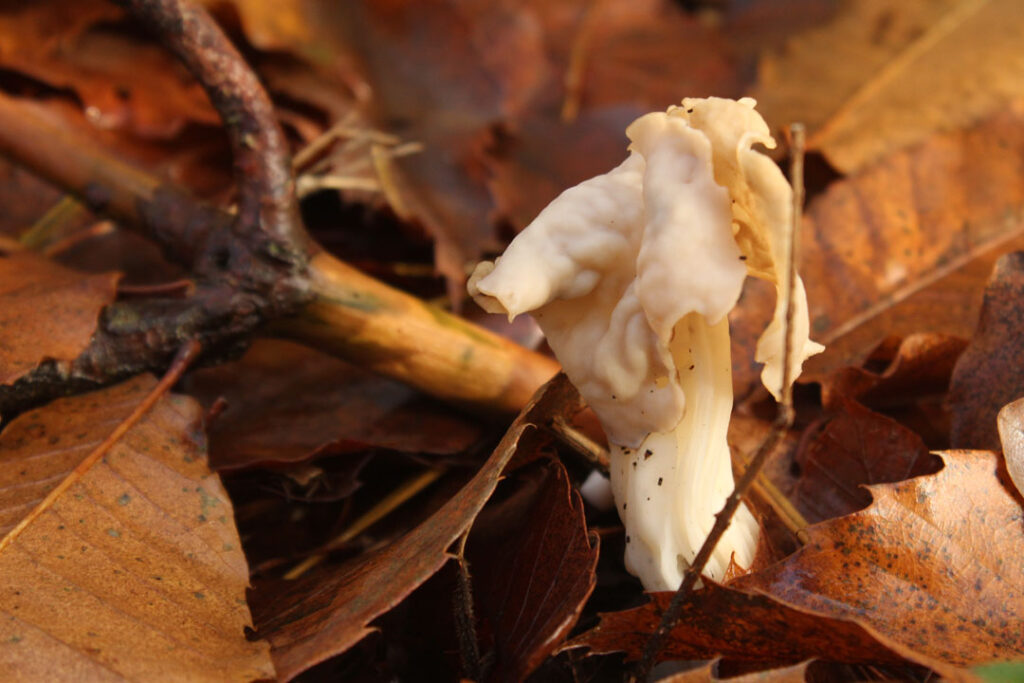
<point x="631" y="275"/>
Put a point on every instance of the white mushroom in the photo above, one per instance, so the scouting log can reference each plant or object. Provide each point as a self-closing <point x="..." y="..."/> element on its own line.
<point x="631" y="275"/>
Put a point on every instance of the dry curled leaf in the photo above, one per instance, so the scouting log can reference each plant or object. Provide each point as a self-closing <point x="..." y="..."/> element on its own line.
<point x="136" y="571"/>
<point x="906" y="245"/>
<point x="987" y="376"/>
<point x="47" y="312"/>
<point x="79" y="48"/>
<point x="287" y="403"/>
<point x="735" y="624"/>
<point x="797" y="673"/>
<point x="1011" y="435"/>
<point x="852" y="449"/>
<point x="326" y="613"/>
<point x="533" y="569"/>
<point x="935" y="565"/>
<point x="922" y="364"/>
<point x="885" y="74"/>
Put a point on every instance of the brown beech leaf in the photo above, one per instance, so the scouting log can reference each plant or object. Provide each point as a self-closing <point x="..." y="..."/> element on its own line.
<point x="287" y="403"/>
<point x="80" y="49"/>
<point x="906" y="245"/>
<point x="25" y="198"/>
<point x="935" y="564"/>
<point x="921" y="364"/>
<point x="136" y="571"/>
<point x="1011" y="435"/>
<point x="885" y="74"/>
<point x="623" y="59"/>
<point x="797" y="673"/>
<point x="988" y="375"/>
<point x="849" y="450"/>
<point x="648" y="53"/>
<point x="441" y="74"/>
<point x="541" y="156"/>
<point x="735" y="624"/>
<point x="329" y="611"/>
<point x="47" y="312"/>
<point x="533" y="566"/>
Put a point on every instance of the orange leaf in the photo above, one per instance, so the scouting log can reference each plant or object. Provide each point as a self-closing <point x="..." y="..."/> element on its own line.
<point x="888" y="73"/>
<point x="326" y="613"/>
<point x="135" y="570"/>
<point x="907" y="245"/>
<point x="987" y="376"/>
<point x="935" y="564"/>
<point x="47" y="312"/>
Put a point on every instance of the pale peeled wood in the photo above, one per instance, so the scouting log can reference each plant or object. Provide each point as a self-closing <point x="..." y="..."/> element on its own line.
<point x="388" y="331"/>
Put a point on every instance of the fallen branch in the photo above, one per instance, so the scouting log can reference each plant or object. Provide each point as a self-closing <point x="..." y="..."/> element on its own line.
<point x="252" y="267"/>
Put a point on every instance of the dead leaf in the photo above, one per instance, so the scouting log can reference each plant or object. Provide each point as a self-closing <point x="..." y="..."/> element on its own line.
<point x="851" y="449"/>
<point x="734" y="624"/>
<point x="81" y="49"/>
<point x="905" y="246"/>
<point x="539" y="156"/>
<point x="935" y="565"/>
<point x="290" y="25"/>
<point x="288" y="403"/>
<point x="533" y="569"/>
<point x="988" y="376"/>
<point x="136" y="572"/>
<point x="440" y="74"/>
<point x="25" y="198"/>
<point x="328" y="612"/>
<point x="922" y="364"/>
<point x="1011" y="434"/>
<point x="47" y="312"/>
<point x="885" y="74"/>
<point x="647" y="53"/>
<point x="707" y="673"/>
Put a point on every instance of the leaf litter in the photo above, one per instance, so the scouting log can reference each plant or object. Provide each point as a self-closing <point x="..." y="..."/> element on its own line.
<point x="464" y="144"/>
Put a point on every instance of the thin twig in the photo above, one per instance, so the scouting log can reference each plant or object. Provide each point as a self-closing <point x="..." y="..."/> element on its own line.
<point x="465" y="616"/>
<point x="54" y="223"/>
<point x="589" y="450"/>
<point x="381" y="509"/>
<point x="783" y="421"/>
<point x="575" y="72"/>
<point x="182" y="361"/>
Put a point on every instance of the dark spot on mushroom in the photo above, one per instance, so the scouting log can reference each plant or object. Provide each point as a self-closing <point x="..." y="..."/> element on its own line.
<point x="743" y="257"/>
<point x="659" y="481"/>
<point x="692" y="367"/>
<point x="648" y="453"/>
<point x="627" y="538"/>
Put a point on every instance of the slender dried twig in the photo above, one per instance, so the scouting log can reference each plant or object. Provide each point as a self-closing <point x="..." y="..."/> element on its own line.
<point x="783" y="421"/>
<point x="379" y="511"/>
